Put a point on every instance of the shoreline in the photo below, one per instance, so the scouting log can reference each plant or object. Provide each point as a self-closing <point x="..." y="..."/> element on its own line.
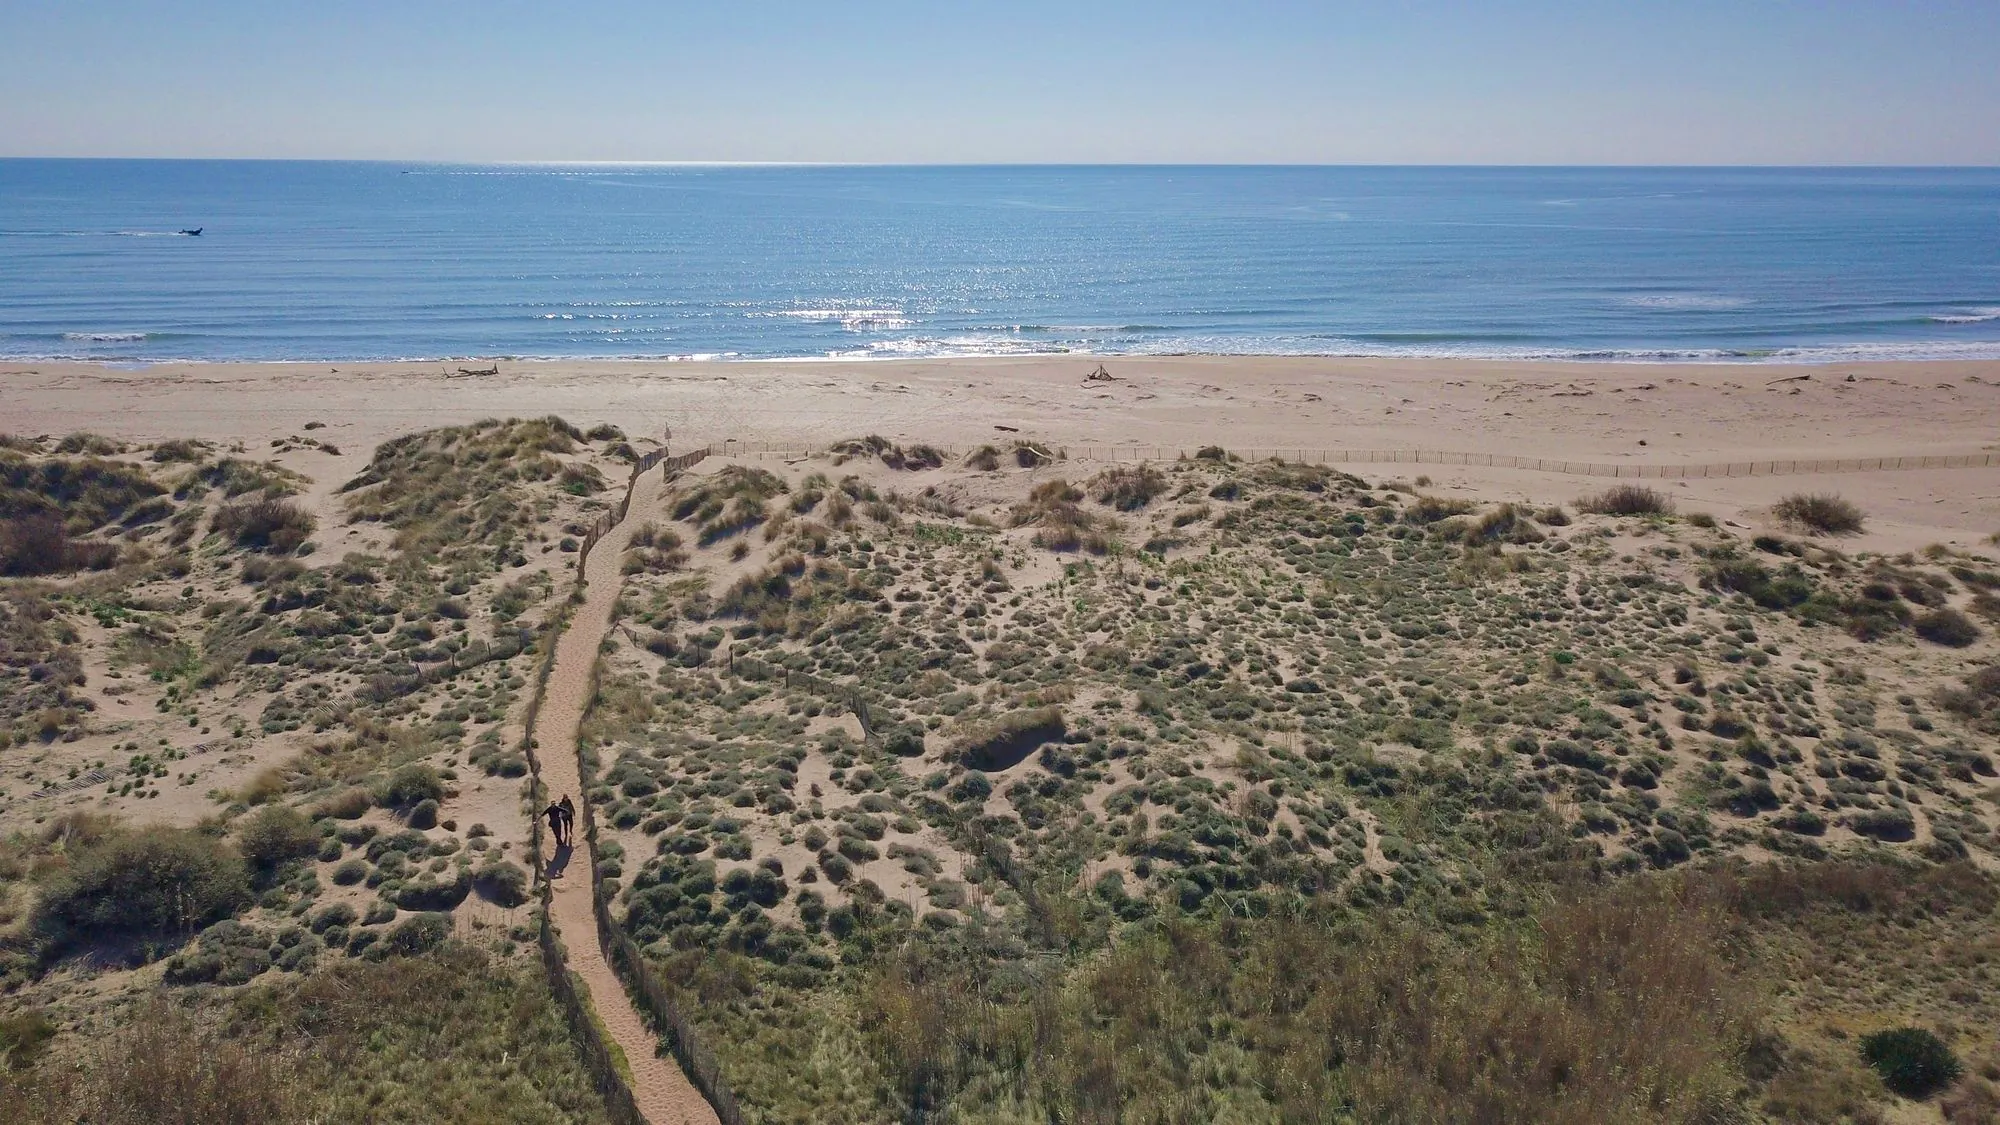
<point x="1803" y="355"/>
<point x="1602" y="413"/>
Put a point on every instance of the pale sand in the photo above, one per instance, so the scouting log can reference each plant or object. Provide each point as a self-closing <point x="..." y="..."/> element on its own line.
<point x="1685" y="414"/>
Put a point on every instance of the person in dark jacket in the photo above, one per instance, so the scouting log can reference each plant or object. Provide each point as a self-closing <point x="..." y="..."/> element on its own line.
<point x="569" y="818"/>
<point x="554" y="815"/>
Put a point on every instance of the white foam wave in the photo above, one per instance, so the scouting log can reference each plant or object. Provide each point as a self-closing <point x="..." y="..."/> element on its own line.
<point x="105" y="337"/>
<point x="1692" y="302"/>
<point x="833" y="314"/>
<point x="851" y="319"/>
<point x="993" y="345"/>
<point x="1970" y="316"/>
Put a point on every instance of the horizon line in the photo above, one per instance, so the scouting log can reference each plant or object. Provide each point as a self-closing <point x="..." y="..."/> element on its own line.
<point x="640" y="163"/>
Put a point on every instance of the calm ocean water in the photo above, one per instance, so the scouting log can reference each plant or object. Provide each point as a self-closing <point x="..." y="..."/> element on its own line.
<point x="347" y="261"/>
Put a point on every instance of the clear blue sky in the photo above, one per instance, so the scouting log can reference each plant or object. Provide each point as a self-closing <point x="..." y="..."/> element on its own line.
<point x="1535" y="81"/>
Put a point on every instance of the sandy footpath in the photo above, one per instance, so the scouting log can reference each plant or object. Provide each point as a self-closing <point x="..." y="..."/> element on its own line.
<point x="664" y="1094"/>
<point x="1619" y="413"/>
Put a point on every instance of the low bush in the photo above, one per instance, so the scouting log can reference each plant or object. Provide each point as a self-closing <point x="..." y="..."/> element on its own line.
<point x="1431" y="509"/>
<point x="1946" y="627"/>
<point x="41" y="544"/>
<point x="227" y="953"/>
<point x="348" y="804"/>
<point x="165" y="1066"/>
<point x="279" y="526"/>
<point x="411" y="785"/>
<point x="1783" y="590"/>
<point x="1627" y="500"/>
<point x="424" y="814"/>
<point x="1912" y="1061"/>
<point x="1007" y="740"/>
<point x="419" y="933"/>
<point x="1128" y="489"/>
<point x="1978" y="702"/>
<point x="158" y="881"/>
<point x="1822" y="514"/>
<point x="501" y="883"/>
<point x="274" y="834"/>
<point x="23" y="1035"/>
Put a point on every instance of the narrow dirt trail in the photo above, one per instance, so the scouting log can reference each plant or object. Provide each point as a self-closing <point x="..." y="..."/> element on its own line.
<point x="663" y="1091"/>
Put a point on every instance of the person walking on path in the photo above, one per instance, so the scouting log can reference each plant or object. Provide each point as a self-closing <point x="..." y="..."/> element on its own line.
<point x="554" y="815"/>
<point x="568" y="818"/>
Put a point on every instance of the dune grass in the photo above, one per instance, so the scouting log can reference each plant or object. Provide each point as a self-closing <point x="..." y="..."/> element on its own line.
<point x="1820" y="514"/>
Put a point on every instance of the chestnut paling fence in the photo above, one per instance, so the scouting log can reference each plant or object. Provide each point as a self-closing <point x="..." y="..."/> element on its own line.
<point x="653" y="997"/>
<point x="849" y="697"/>
<point x="1614" y="469"/>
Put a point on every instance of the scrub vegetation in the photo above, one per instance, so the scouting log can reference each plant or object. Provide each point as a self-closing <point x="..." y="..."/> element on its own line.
<point x="990" y="790"/>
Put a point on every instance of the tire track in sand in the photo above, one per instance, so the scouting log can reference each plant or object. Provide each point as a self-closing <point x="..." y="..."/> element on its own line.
<point x="661" y="1088"/>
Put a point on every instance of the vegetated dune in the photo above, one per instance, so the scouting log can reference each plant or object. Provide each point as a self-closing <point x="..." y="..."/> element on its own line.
<point x="949" y="785"/>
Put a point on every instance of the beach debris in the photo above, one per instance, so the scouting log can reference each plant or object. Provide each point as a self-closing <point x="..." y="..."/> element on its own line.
<point x="466" y="372"/>
<point x="1030" y="455"/>
<point x="1100" y="376"/>
<point x="1007" y="429"/>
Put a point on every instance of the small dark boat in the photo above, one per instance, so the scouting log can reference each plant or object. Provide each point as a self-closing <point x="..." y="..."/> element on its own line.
<point x="191" y="231"/>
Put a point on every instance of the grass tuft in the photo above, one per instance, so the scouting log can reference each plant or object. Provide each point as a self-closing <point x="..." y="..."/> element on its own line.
<point x="1627" y="500"/>
<point x="1820" y="514"/>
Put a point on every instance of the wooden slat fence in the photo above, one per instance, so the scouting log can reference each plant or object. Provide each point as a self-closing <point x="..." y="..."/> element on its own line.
<point x="615" y="516"/>
<point x="98" y="776"/>
<point x="598" y="1058"/>
<point x="655" y="999"/>
<point x="1616" y="470"/>
<point x="850" y="697"/>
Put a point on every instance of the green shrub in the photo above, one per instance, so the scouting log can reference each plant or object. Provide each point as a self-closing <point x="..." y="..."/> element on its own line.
<point x="501" y="883"/>
<point x="424" y="814"/>
<point x="155" y="881"/>
<point x="274" y="834"/>
<point x="227" y="953"/>
<point x="1912" y="1061"/>
<point x="339" y="914"/>
<point x="1885" y="824"/>
<point x="1783" y="590"/>
<point x="411" y="785"/>
<point x="1823" y="514"/>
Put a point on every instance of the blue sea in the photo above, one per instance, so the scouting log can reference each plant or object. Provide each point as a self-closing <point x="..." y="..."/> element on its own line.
<point x="354" y="261"/>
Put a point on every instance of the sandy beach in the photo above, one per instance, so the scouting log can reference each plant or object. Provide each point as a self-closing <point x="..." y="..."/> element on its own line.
<point x="1620" y="414"/>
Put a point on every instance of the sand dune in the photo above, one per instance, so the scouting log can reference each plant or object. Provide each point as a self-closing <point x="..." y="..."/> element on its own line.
<point x="1609" y="413"/>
